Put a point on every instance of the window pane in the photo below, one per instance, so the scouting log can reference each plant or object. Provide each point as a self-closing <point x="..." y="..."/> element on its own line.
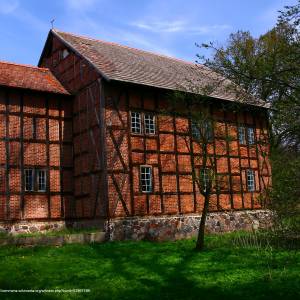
<point x="251" y="138"/>
<point x="136" y="122"/>
<point x="204" y="130"/>
<point x="41" y="180"/>
<point x="208" y="130"/>
<point x="146" y="179"/>
<point x="28" y="177"/>
<point x="205" y="178"/>
<point x="242" y="135"/>
<point x="196" y="131"/>
<point x="250" y="180"/>
<point x="149" y="121"/>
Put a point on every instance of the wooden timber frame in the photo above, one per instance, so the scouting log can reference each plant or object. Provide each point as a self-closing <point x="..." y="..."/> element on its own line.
<point x="229" y="119"/>
<point x="17" y="141"/>
<point x="111" y="190"/>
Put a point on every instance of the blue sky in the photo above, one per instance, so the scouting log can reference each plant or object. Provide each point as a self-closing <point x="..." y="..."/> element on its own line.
<point x="170" y="27"/>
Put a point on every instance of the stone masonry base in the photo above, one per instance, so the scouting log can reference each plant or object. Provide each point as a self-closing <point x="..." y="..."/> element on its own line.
<point x="156" y="228"/>
<point x="44" y="226"/>
<point x="185" y="226"/>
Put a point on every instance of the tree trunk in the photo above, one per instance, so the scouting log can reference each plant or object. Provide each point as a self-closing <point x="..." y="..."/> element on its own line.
<point x="201" y="231"/>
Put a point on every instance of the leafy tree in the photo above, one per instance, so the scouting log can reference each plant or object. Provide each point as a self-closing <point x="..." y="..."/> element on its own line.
<point x="268" y="68"/>
<point x="196" y="108"/>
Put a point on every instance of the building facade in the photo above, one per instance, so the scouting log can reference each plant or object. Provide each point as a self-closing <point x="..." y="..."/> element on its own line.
<point x="107" y="151"/>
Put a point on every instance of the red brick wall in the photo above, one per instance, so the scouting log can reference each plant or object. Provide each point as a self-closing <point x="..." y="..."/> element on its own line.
<point x="79" y="77"/>
<point x="170" y="153"/>
<point x="49" y="148"/>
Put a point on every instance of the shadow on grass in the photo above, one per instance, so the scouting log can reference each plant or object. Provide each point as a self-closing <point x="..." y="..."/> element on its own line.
<point x="143" y="270"/>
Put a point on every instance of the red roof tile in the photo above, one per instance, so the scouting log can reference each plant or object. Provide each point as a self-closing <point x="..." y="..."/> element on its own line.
<point x="29" y="77"/>
<point x="122" y="63"/>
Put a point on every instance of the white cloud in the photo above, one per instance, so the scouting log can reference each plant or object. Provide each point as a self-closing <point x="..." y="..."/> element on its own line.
<point x="179" y="26"/>
<point x="8" y="7"/>
<point x="14" y="10"/>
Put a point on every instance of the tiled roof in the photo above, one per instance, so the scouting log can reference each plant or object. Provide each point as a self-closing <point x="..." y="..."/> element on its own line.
<point x="29" y="77"/>
<point x="122" y="63"/>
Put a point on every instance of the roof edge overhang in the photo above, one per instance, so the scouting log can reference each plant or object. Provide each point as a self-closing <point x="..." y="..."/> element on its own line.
<point x="67" y="94"/>
<point x="69" y="45"/>
<point x="262" y="106"/>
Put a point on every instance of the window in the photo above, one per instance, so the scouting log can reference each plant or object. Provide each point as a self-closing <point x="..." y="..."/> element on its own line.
<point x="251" y="138"/>
<point x="208" y="130"/>
<point x="136" y="123"/>
<point x="205" y="175"/>
<point x="250" y="180"/>
<point x="250" y="135"/>
<point x="195" y="131"/>
<point x="136" y="126"/>
<point x="149" y="122"/>
<point x="64" y="53"/>
<point x="146" y="179"/>
<point x="204" y="130"/>
<point x="41" y="180"/>
<point x="28" y="180"/>
<point x="35" y="180"/>
<point x="242" y="135"/>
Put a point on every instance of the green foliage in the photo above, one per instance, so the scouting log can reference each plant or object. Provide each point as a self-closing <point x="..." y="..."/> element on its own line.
<point x="268" y="68"/>
<point x="285" y="194"/>
<point x="145" y="270"/>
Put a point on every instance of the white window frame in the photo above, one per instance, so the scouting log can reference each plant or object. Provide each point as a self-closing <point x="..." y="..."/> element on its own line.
<point x="149" y="123"/>
<point x="38" y="177"/>
<point x="135" y="120"/>
<point x="250" y="180"/>
<point x="146" y="179"/>
<point x="26" y="178"/>
<point x="204" y="173"/>
<point x="242" y="134"/>
<point x="251" y="136"/>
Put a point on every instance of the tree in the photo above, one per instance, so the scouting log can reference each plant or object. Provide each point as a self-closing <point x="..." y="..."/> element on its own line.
<point x="268" y="68"/>
<point x="197" y="109"/>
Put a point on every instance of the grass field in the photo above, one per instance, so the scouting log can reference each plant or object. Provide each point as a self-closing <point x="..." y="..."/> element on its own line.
<point x="144" y="270"/>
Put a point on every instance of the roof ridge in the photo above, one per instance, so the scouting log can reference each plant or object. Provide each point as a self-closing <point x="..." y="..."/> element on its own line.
<point x="24" y="65"/>
<point x="128" y="47"/>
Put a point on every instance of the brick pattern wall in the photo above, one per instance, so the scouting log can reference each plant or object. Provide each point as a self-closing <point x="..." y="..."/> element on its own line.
<point x="35" y="133"/>
<point x="79" y="77"/>
<point x="172" y="153"/>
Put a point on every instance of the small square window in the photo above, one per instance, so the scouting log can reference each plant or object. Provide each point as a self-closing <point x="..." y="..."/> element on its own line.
<point x="242" y="135"/>
<point x="28" y="177"/>
<point x="204" y="130"/>
<point x="251" y="137"/>
<point x="146" y="179"/>
<point x="149" y="123"/>
<point x="136" y="126"/>
<point x="250" y="180"/>
<point x="41" y="180"/>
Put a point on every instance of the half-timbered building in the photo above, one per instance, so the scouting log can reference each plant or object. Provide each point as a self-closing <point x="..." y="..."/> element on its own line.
<point x="87" y="140"/>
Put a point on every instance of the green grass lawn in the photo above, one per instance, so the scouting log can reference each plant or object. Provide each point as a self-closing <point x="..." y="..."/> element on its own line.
<point x="145" y="270"/>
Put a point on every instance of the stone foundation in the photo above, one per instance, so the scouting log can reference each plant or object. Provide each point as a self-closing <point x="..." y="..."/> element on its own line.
<point x="43" y="226"/>
<point x="186" y="226"/>
<point x="154" y="228"/>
